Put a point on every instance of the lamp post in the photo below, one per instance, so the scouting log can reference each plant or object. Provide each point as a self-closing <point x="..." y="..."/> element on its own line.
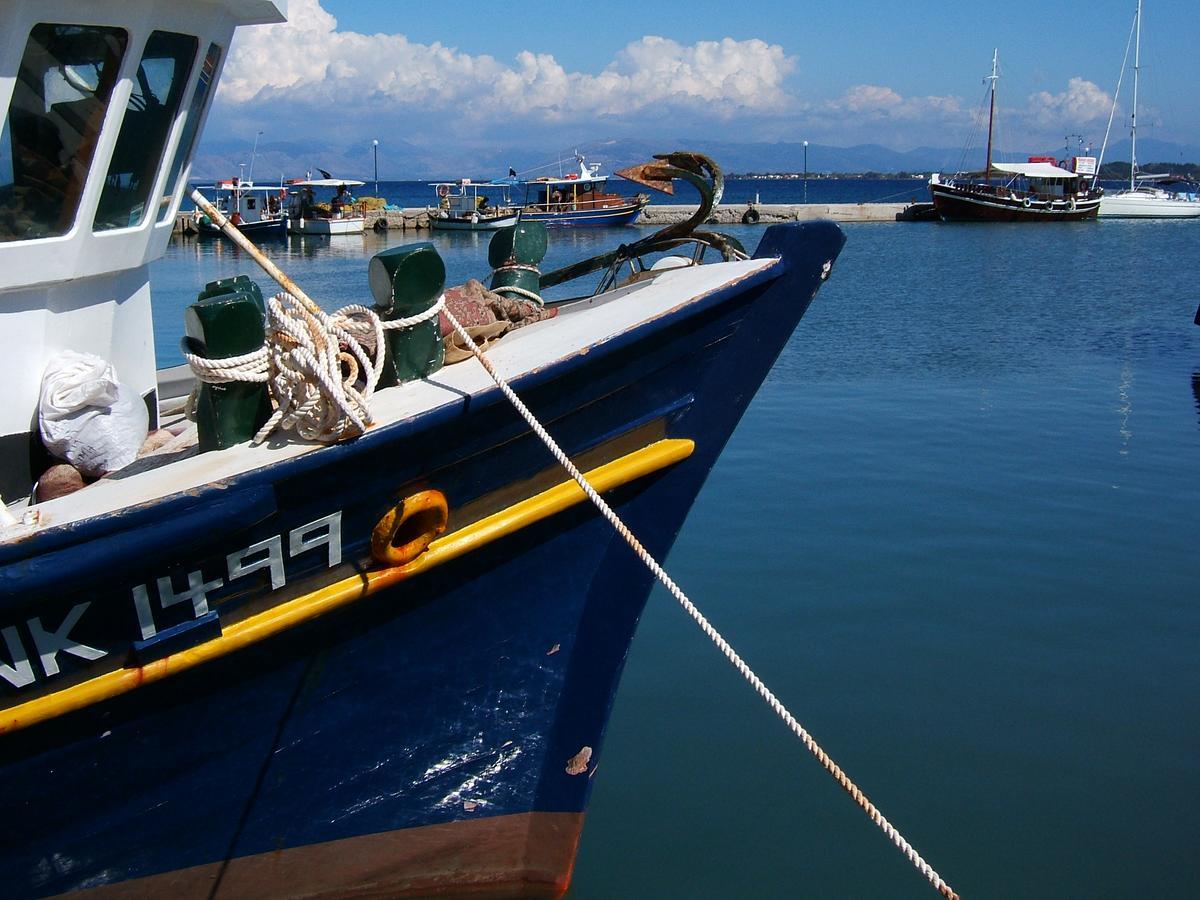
<point x="806" y="171"/>
<point x="375" y="146"/>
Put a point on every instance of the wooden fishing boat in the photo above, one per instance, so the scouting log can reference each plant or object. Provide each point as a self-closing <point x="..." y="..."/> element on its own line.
<point x="373" y="653"/>
<point x="1038" y="190"/>
<point x="258" y="211"/>
<point x="577" y="199"/>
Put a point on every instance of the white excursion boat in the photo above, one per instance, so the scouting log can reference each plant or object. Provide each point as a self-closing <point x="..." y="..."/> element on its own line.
<point x="353" y="629"/>
<point x="1146" y="197"/>
<point x="308" y="216"/>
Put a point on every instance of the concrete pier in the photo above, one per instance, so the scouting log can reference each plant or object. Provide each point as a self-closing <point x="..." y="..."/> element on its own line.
<point x="417" y="218"/>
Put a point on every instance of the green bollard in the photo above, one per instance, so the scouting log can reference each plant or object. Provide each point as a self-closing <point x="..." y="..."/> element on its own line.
<point x="514" y="254"/>
<point x="405" y="281"/>
<point x="227" y="320"/>
<point x="234" y="285"/>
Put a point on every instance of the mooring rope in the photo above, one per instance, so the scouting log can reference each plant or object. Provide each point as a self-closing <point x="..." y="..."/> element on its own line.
<point x="715" y="636"/>
<point x="830" y="766"/>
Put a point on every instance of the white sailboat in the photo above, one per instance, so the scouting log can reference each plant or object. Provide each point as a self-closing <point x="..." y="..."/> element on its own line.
<point x="1146" y="198"/>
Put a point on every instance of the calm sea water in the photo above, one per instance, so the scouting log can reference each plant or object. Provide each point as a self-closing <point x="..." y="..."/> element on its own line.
<point x="957" y="534"/>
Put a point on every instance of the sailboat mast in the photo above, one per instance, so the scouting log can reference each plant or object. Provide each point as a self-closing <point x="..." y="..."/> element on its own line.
<point x="987" y="173"/>
<point x="1137" y="63"/>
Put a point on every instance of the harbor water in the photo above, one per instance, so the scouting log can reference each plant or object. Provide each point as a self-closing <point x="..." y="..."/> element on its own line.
<point x="956" y="533"/>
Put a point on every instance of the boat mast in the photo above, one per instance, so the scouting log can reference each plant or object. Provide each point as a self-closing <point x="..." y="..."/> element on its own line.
<point x="987" y="174"/>
<point x="1137" y="61"/>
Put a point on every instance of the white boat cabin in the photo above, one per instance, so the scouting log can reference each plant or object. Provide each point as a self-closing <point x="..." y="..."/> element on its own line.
<point x="100" y="122"/>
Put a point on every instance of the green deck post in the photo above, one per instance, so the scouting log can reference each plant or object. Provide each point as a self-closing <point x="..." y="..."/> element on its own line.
<point x="514" y="254"/>
<point x="227" y="320"/>
<point x="406" y="281"/>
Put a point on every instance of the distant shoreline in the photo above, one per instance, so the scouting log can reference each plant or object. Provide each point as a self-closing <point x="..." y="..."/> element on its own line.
<point x="818" y="176"/>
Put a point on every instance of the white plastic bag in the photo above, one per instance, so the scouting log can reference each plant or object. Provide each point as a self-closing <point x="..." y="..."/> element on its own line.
<point x="87" y="416"/>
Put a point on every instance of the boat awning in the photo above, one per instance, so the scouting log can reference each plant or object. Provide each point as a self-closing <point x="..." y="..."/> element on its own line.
<point x="325" y="182"/>
<point x="242" y="188"/>
<point x="1033" y="170"/>
<point x="570" y="179"/>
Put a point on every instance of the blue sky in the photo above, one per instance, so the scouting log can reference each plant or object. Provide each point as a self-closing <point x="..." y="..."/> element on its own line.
<point x="838" y="73"/>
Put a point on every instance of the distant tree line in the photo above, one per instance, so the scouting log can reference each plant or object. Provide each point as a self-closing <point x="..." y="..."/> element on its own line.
<point x="866" y="176"/>
<point x="1119" y="171"/>
<point x="1112" y="171"/>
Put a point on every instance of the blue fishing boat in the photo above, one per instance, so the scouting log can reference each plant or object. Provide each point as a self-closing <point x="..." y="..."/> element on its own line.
<point x="346" y="630"/>
<point x="577" y="199"/>
<point x="258" y="211"/>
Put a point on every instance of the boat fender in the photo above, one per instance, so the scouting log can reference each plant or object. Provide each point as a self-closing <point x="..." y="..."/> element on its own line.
<point x="750" y="217"/>
<point x="1025" y="203"/>
<point x="1071" y="204"/>
<point x="381" y="225"/>
<point x="409" y="527"/>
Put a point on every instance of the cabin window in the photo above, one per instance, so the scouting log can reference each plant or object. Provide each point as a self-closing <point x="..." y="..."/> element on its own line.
<point x="157" y="93"/>
<point x="53" y="122"/>
<point x="212" y="59"/>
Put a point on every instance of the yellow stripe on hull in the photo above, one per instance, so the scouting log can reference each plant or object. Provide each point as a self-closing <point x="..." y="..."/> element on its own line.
<point x="259" y="627"/>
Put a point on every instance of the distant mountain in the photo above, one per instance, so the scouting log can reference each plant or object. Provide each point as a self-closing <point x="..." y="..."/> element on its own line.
<point x="401" y="160"/>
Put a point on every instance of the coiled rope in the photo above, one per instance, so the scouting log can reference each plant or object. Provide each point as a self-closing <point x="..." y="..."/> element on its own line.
<point x="715" y="636"/>
<point x="321" y="368"/>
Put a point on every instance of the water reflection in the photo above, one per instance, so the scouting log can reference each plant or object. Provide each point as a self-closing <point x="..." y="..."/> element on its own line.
<point x="1196" y="389"/>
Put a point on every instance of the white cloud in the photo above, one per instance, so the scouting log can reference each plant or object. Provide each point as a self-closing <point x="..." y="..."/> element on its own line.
<point x="307" y="61"/>
<point x="878" y="101"/>
<point x="1082" y="103"/>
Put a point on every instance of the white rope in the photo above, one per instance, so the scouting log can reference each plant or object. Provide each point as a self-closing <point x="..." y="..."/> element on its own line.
<point x="780" y="710"/>
<point x="520" y="292"/>
<point x="313" y="363"/>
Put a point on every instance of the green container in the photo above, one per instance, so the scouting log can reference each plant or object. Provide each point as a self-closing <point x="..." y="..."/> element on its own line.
<point x="406" y="281"/>
<point x="225" y="321"/>
<point x="514" y="254"/>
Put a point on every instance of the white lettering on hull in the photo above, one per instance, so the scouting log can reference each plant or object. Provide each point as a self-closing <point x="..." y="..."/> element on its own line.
<point x="263" y="556"/>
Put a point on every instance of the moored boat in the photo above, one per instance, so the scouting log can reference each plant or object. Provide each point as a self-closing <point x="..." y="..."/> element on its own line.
<point x="462" y="206"/>
<point x="1038" y="190"/>
<point x="258" y="211"/>
<point x="337" y="215"/>
<point x="1035" y="191"/>
<point x="577" y="199"/>
<point x="1147" y="196"/>
<point x="374" y="653"/>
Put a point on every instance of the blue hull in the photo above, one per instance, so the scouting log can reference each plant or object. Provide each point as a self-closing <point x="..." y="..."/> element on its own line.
<point x="585" y="218"/>
<point x="275" y="228"/>
<point x="429" y="737"/>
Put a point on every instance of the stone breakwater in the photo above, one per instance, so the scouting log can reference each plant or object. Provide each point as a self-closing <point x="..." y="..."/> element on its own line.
<point x="417" y="218"/>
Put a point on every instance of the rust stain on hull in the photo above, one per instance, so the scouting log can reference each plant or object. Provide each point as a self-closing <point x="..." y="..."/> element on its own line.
<point x="523" y="855"/>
